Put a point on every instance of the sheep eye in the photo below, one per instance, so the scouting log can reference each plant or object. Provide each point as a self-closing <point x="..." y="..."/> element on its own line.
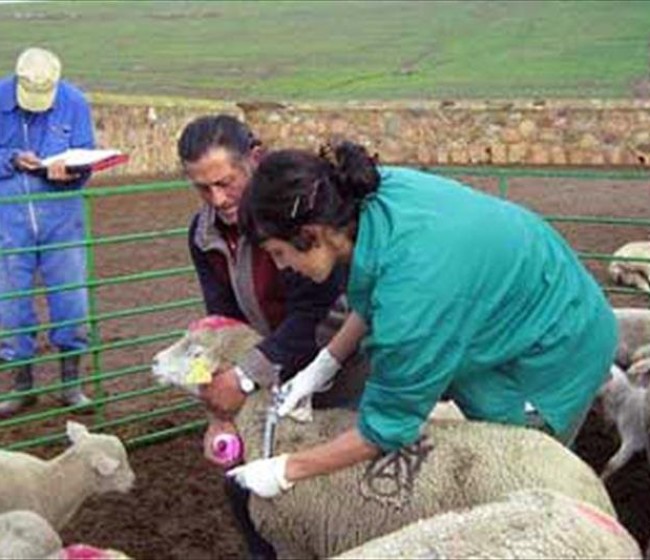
<point x="196" y="351"/>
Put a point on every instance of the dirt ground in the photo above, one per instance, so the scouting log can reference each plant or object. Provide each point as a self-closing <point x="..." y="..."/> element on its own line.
<point x="177" y="510"/>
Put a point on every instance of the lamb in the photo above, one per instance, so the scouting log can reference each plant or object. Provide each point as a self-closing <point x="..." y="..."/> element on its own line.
<point x="625" y="398"/>
<point x="190" y="361"/>
<point x="647" y="424"/>
<point x="627" y="406"/>
<point x="639" y="370"/>
<point x="55" y="489"/>
<point x="630" y="272"/>
<point x="526" y="524"/>
<point x="25" y="535"/>
<point x="634" y="327"/>
<point x="455" y="465"/>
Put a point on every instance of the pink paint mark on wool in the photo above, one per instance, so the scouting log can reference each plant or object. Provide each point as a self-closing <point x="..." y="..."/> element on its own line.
<point x="83" y="552"/>
<point x="600" y="518"/>
<point x="214" y="322"/>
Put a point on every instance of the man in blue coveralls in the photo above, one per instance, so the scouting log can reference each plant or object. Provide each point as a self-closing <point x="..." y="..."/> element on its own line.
<point x="41" y="116"/>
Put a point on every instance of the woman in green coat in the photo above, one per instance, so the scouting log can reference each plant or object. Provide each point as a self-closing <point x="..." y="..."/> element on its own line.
<point x="458" y="292"/>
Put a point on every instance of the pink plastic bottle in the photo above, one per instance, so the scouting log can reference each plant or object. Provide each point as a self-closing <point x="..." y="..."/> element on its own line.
<point x="227" y="448"/>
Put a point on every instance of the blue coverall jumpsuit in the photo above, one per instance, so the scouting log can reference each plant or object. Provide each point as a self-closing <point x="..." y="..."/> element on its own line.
<point x="67" y="124"/>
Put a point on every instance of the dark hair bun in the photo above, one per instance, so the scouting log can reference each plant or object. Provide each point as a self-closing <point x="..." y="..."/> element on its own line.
<point x="354" y="170"/>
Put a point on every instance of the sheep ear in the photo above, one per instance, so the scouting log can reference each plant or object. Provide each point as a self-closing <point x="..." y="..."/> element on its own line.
<point x="104" y="464"/>
<point x="75" y="431"/>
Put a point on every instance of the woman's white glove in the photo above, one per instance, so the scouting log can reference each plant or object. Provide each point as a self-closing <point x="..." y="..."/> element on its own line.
<point x="265" y="477"/>
<point x="316" y="377"/>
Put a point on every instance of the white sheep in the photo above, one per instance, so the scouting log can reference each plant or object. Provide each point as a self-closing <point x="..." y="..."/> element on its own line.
<point x="525" y="525"/>
<point x="458" y="465"/>
<point x="639" y="370"/>
<point x="25" y="535"/>
<point x="632" y="273"/>
<point x="634" y="334"/>
<point x="56" y="488"/>
<point x="625" y="405"/>
<point x="641" y="353"/>
<point x="191" y="360"/>
<point x="455" y="465"/>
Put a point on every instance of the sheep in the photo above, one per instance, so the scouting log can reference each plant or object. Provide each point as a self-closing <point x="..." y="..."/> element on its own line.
<point x="647" y="424"/>
<point x="191" y="360"/>
<point x="630" y="272"/>
<point x="641" y="353"/>
<point x="634" y="328"/>
<point x="625" y="398"/>
<point x="455" y="465"/>
<point x="55" y="489"/>
<point x="626" y="406"/>
<point x="638" y="371"/>
<point x="25" y="535"/>
<point x="458" y="464"/>
<point x="526" y="524"/>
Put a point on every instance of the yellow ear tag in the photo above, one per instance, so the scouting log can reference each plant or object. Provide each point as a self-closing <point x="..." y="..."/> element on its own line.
<point x="199" y="372"/>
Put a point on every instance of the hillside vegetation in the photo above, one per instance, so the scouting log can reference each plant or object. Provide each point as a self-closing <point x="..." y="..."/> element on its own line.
<point x="321" y="50"/>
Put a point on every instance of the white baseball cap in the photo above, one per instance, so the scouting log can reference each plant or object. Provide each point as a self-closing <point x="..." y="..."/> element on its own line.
<point x="38" y="72"/>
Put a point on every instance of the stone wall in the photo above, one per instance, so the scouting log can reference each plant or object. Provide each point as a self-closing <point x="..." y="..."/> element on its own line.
<point x="147" y="129"/>
<point x="558" y="132"/>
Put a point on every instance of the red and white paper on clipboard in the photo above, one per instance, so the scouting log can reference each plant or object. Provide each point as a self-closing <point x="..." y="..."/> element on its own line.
<point x="79" y="160"/>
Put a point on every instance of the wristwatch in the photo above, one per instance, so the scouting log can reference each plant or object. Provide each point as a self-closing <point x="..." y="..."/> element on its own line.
<point x="246" y="384"/>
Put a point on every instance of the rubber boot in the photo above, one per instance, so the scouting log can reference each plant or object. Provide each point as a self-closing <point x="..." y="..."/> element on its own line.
<point x="72" y="395"/>
<point x="24" y="381"/>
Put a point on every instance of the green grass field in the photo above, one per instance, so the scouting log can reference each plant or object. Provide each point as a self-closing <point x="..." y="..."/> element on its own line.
<point x="316" y="50"/>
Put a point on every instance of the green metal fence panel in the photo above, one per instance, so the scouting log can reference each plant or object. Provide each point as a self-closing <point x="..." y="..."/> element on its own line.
<point x="142" y="293"/>
<point x="43" y="425"/>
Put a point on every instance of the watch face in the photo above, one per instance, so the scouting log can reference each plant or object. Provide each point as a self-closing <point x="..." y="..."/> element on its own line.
<point x="246" y="384"/>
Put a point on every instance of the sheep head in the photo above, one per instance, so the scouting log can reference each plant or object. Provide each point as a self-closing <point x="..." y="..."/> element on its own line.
<point x="105" y="456"/>
<point x="631" y="272"/>
<point x="210" y="344"/>
<point x="634" y="327"/>
<point x="612" y="392"/>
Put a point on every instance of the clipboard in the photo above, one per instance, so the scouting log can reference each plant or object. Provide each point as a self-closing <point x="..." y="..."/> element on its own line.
<point x="78" y="160"/>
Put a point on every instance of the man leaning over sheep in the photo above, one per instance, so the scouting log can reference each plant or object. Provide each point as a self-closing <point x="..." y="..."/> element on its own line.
<point x="239" y="280"/>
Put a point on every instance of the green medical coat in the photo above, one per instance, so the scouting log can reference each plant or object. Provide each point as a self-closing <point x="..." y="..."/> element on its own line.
<point x="474" y="296"/>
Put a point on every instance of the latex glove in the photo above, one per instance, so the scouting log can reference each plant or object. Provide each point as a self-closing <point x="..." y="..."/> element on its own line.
<point x="265" y="477"/>
<point x="303" y="412"/>
<point x="317" y="376"/>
